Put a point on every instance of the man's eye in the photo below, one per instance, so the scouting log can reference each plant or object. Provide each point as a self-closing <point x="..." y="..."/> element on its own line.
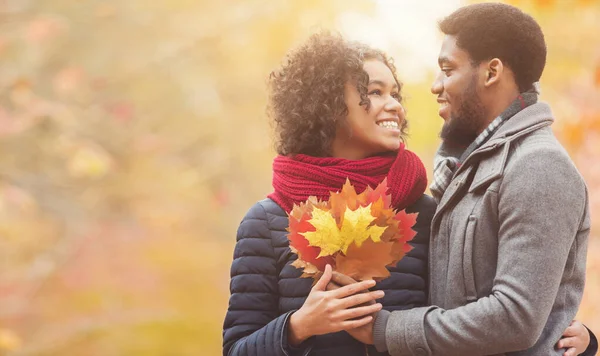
<point x="447" y="71"/>
<point x="375" y="92"/>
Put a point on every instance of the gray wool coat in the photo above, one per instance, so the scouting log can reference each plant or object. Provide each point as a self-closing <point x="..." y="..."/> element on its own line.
<point x="507" y="253"/>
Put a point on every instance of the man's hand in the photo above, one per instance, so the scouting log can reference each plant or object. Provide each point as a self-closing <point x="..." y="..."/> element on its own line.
<point x="576" y="339"/>
<point x="363" y="333"/>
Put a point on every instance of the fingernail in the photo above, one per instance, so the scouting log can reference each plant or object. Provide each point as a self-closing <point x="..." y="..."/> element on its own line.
<point x="380" y="294"/>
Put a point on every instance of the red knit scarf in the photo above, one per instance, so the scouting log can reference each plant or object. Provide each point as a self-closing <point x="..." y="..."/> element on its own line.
<point x="298" y="177"/>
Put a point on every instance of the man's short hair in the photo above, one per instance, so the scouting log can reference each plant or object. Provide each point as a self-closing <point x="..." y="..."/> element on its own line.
<point x="492" y="30"/>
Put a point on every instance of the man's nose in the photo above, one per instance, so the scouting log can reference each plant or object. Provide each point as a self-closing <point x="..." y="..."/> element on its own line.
<point x="437" y="86"/>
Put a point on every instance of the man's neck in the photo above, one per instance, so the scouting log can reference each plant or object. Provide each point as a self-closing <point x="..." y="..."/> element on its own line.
<point x="497" y="106"/>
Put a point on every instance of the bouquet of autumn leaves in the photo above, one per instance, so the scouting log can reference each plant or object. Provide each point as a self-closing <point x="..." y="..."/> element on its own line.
<point x="359" y="235"/>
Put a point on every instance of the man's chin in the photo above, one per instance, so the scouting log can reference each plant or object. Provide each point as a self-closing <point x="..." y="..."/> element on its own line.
<point x="453" y="144"/>
<point x="454" y="138"/>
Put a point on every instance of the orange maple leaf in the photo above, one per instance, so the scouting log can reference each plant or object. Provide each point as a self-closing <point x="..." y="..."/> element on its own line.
<point x="366" y="262"/>
<point x="345" y="198"/>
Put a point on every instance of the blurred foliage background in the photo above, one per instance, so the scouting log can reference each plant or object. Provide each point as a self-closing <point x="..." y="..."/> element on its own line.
<point x="133" y="138"/>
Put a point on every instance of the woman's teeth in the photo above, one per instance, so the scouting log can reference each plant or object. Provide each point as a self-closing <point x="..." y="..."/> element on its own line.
<point x="388" y="124"/>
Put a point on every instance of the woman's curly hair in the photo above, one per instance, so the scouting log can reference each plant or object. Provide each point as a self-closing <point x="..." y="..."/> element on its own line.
<point x="306" y="94"/>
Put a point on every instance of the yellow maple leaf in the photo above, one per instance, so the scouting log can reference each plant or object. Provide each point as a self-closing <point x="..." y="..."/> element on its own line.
<point x="355" y="228"/>
<point x="327" y="235"/>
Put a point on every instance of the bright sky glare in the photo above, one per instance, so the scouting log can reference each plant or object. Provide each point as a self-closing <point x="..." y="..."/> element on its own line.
<point x="406" y="29"/>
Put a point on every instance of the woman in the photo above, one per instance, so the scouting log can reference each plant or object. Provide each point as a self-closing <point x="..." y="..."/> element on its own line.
<point x="336" y="108"/>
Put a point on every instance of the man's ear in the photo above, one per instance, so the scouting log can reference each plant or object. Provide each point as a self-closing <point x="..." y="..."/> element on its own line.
<point x="494" y="68"/>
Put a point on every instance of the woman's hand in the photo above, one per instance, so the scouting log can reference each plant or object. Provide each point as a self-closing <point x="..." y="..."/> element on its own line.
<point x="575" y="339"/>
<point x="331" y="311"/>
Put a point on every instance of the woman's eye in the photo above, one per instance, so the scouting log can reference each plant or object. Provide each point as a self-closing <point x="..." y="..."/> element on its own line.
<point x="375" y="92"/>
<point x="397" y="96"/>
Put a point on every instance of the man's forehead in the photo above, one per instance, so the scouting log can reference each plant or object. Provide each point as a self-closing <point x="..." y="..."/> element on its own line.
<point x="450" y="52"/>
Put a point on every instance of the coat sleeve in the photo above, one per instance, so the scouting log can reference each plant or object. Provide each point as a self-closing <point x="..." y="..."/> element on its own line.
<point x="253" y="325"/>
<point x="542" y="207"/>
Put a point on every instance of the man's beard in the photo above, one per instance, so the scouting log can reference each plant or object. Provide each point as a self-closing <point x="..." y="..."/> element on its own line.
<point x="462" y="128"/>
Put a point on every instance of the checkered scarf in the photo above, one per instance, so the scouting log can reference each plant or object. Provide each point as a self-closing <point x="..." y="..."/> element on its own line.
<point x="447" y="159"/>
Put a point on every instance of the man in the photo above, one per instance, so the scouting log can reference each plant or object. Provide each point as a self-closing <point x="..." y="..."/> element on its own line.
<point x="509" y="237"/>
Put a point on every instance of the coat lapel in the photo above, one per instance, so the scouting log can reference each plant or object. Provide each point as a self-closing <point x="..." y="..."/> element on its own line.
<point x="456" y="186"/>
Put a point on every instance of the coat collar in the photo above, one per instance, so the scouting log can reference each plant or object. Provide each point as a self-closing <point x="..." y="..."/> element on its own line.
<point x="531" y="118"/>
<point x="496" y="148"/>
<point x="525" y="121"/>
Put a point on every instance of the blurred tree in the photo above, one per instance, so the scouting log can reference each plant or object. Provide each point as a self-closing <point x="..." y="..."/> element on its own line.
<point x="131" y="134"/>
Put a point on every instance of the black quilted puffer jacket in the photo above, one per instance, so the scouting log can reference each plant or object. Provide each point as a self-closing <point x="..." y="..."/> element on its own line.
<point x="265" y="289"/>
